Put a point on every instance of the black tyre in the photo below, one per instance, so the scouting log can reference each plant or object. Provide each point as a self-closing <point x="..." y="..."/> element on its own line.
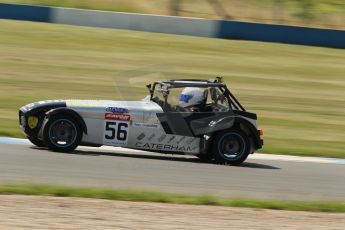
<point x="231" y="147"/>
<point x="62" y="133"/>
<point x="36" y="141"/>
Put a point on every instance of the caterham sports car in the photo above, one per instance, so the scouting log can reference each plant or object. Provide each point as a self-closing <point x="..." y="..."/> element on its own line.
<point x="206" y="121"/>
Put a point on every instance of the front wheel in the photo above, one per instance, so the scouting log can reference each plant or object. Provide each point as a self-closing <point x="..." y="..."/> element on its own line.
<point x="231" y="147"/>
<point x="62" y="133"/>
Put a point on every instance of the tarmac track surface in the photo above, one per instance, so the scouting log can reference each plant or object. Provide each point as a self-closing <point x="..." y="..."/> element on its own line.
<point x="260" y="177"/>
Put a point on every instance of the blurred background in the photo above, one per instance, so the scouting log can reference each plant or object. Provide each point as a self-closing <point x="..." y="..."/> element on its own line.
<point x="297" y="91"/>
<point x="312" y="13"/>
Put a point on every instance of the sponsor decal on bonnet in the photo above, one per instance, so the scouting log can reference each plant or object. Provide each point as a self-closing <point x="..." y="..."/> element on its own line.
<point x="116" y="110"/>
<point x="117" y="116"/>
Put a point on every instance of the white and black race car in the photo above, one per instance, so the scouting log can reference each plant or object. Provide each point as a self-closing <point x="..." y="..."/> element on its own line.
<point x="220" y="129"/>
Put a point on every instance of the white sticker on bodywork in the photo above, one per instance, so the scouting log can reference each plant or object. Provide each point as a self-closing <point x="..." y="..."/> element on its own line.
<point x="145" y="125"/>
<point x="116" y="130"/>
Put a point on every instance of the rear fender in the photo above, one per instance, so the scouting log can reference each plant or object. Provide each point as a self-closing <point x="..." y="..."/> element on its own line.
<point x="221" y="124"/>
<point x="228" y="123"/>
<point x="250" y="129"/>
<point x="216" y="125"/>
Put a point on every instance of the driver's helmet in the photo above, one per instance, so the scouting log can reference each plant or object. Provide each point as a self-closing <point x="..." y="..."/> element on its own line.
<point x="193" y="96"/>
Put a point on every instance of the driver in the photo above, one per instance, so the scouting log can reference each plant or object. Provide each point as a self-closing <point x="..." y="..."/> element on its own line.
<point x="193" y="99"/>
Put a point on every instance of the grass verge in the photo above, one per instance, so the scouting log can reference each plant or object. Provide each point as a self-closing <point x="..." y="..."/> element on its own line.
<point x="151" y="196"/>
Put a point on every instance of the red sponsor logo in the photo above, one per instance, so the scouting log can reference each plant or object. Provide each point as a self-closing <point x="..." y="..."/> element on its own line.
<point x="117" y="116"/>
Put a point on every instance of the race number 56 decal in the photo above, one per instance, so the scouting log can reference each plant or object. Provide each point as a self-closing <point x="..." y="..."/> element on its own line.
<point x="115" y="132"/>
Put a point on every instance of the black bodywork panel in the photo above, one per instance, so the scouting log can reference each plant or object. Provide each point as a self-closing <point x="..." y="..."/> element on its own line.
<point x="39" y="110"/>
<point x="191" y="123"/>
<point x="197" y="124"/>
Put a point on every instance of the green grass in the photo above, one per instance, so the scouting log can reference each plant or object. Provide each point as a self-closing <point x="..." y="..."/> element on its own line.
<point x="319" y="13"/>
<point x="297" y="91"/>
<point x="151" y="196"/>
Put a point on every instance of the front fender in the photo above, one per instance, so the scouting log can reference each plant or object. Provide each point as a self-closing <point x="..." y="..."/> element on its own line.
<point x="69" y="112"/>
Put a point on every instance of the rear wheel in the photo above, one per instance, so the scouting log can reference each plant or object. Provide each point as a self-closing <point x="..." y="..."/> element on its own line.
<point x="36" y="141"/>
<point x="62" y="133"/>
<point x="231" y="147"/>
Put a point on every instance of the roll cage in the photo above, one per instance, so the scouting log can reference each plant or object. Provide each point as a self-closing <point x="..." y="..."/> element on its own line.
<point x="166" y="85"/>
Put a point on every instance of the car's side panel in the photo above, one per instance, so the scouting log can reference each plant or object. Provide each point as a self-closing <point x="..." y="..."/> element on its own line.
<point x="150" y="135"/>
<point x="131" y="124"/>
<point x="94" y="136"/>
<point x="103" y="118"/>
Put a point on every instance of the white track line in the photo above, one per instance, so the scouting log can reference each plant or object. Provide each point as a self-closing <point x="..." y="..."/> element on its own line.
<point x="274" y="157"/>
<point x="256" y="156"/>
